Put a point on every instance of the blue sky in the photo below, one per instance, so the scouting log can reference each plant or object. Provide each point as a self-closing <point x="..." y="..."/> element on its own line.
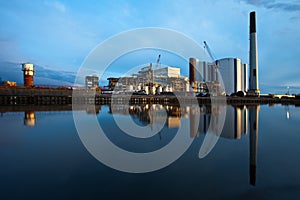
<point x="60" y="34"/>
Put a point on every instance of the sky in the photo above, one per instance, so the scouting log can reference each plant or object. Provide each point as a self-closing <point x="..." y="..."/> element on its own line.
<point x="61" y="34"/>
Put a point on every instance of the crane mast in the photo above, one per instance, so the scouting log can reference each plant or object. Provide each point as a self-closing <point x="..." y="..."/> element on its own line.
<point x="209" y="51"/>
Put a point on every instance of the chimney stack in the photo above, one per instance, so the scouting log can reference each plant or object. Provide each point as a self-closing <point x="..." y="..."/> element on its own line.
<point x="192" y="73"/>
<point x="253" y="57"/>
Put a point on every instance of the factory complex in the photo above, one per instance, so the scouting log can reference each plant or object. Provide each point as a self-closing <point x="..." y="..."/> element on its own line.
<point x="227" y="76"/>
<point x="218" y="77"/>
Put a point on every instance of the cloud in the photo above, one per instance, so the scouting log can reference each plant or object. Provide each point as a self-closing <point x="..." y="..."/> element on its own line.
<point x="56" y="5"/>
<point x="296" y="18"/>
<point x="285" y="6"/>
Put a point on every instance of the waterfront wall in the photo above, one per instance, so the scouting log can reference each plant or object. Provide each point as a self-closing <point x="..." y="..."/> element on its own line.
<point x="38" y="96"/>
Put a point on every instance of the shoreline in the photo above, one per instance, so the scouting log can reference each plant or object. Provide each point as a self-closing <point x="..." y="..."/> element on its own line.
<point x="65" y="96"/>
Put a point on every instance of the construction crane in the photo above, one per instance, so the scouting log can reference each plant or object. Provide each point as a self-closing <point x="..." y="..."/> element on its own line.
<point x="215" y="61"/>
<point x="211" y="55"/>
<point x="158" y="60"/>
<point x="156" y="66"/>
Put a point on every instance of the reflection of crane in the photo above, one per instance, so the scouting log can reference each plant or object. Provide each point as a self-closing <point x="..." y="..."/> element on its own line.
<point x="287" y="110"/>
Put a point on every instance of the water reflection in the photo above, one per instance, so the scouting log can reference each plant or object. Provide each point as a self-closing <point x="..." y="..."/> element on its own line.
<point x="29" y="118"/>
<point x="235" y="126"/>
<point x="254" y="113"/>
<point x="239" y="119"/>
<point x="52" y="153"/>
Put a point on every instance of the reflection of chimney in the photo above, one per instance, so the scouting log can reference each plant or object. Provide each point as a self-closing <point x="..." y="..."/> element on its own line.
<point x="253" y="57"/>
<point x="29" y="118"/>
<point x="254" y="113"/>
<point x="192" y="73"/>
<point x="194" y="119"/>
<point x="93" y="110"/>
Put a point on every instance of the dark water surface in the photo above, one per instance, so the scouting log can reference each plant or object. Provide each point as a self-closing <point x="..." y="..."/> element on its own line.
<point x="42" y="157"/>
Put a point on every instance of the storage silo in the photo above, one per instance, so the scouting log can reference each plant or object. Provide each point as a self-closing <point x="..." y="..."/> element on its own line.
<point x="231" y="71"/>
<point x="28" y="73"/>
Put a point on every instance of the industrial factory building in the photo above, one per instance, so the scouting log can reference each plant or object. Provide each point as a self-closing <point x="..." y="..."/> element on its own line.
<point x="234" y="74"/>
<point x="203" y="76"/>
<point x="167" y="72"/>
<point x="232" y="71"/>
<point x="91" y="82"/>
<point x="152" y="81"/>
<point x="224" y="76"/>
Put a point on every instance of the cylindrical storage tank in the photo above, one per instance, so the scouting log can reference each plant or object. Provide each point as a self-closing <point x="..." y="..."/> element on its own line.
<point x="139" y="87"/>
<point x="28" y="73"/>
<point x="187" y="87"/>
<point x="146" y="88"/>
<point x="165" y="88"/>
<point x="152" y="90"/>
<point x="158" y="90"/>
<point x="129" y="88"/>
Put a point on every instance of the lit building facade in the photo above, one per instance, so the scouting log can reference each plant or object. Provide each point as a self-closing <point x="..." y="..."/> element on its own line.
<point x="91" y="82"/>
<point x="234" y="74"/>
<point x="171" y="72"/>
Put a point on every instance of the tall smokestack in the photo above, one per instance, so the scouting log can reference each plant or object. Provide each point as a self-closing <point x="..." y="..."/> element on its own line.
<point x="192" y="73"/>
<point x="253" y="57"/>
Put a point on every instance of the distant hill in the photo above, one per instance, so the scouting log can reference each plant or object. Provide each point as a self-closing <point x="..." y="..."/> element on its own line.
<point x="43" y="76"/>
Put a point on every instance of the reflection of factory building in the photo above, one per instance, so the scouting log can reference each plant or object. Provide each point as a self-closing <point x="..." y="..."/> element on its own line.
<point x="235" y="125"/>
<point x="150" y="114"/>
<point x="92" y="82"/>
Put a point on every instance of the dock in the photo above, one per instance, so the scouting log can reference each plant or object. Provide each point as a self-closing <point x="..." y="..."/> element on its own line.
<point x="14" y="96"/>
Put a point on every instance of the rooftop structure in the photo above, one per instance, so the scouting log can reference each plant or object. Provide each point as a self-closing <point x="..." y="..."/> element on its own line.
<point x="92" y="82"/>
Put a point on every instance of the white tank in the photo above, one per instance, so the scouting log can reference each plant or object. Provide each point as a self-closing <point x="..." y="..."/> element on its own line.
<point x="152" y="90"/>
<point x="159" y="89"/>
<point x="129" y="87"/>
<point x="187" y="87"/>
<point x="165" y="88"/>
<point x="28" y="69"/>
<point x="146" y="88"/>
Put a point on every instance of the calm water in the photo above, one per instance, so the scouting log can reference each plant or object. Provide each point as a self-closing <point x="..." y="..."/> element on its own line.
<point x="42" y="156"/>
